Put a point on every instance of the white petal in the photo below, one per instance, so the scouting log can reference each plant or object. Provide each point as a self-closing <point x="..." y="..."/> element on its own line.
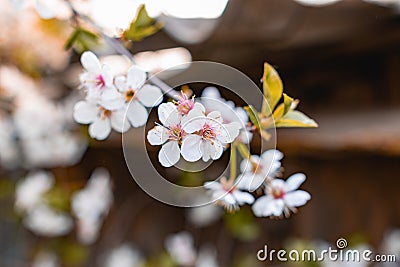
<point x="296" y="198"/>
<point x="294" y="181"/>
<point x="111" y="99"/>
<point x="211" y="150"/>
<point x="272" y="155"/>
<point x="46" y="9"/>
<point x="136" y="77"/>
<point x="215" y="116"/>
<point x="246" y="165"/>
<point x="149" y="95"/>
<point x="120" y="83"/>
<point x="227" y="197"/>
<point x="165" y="110"/>
<point x="211" y="92"/>
<point x="137" y="114"/>
<point x="276" y="207"/>
<point x="107" y="75"/>
<point x="190" y="149"/>
<point x="229" y="132"/>
<point x="250" y="181"/>
<point x="214" y="185"/>
<point x="100" y="129"/>
<point x="169" y="154"/>
<point x="193" y="122"/>
<point x="118" y="121"/>
<point x="157" y="136"/>
<point x="90" y="62"/>
<point x="85" y="112"/>
<point x="260" y="207"/>
<point x="243" y="197"/>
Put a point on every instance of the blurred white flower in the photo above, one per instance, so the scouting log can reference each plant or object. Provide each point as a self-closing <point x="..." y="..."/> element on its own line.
<point x="391" y="246"/>
<point x="212" y="101"/>
<point x="47" y="9"/>
<point x="207" y="136"/>
<point x="91" y="204"/>
<point x="257" y="169"/>
<point x="281" y="197"/>
<point x="204" y="215"/>
<point x="124" y="256"/>
<point x="181" y="248"/>
<point x="228" y="194"/>
<point x="45" y="259"/>
<point x="29" y="190"/>
<point x="45" y="221"/>
<point x="207" y="257"/>
<point x="101" y="120"/>
<point x="8" y="149"/>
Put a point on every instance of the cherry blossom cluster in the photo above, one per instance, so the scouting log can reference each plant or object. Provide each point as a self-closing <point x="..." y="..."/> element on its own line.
<point x="187" y="129"/>
<point x="88" y="205"/>
<point x="260" y="174"/>
<point x="113" y="102"/>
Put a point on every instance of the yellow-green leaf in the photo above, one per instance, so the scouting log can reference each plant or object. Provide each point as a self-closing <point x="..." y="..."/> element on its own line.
<point x="253" y="116"/>
<point x="272" y="88"/>
<point x="295" y="118"/>
<point x="287" y="101"/>
<point x="142" y="26"/>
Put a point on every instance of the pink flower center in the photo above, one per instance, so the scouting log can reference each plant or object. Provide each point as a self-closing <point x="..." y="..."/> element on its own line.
<point x="100" y="82"/>
<point x="208" y="132"/>
<point x="256" y="168"/>
<point x="176" y="133"/>
<point x="277" y="193"/>
<point x="184" y="104"/>
<point x="227" y="185"/>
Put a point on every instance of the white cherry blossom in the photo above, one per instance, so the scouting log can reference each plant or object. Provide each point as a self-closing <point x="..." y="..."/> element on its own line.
<point x="101" y="120"/>
<point x="213" y="101"/>
<point x="257" y="169"/>
<point x="45" y="221"/>
<point x="207" y="136"/>
<point x="91" y="204"/>
<point x="124" y="256"/>
<point x="98" y="81"/>
<point x="228" y="195"/>
<point x="45" y="259"/>
<point x="170" y="135"/>
<point x="29" y="191"/>
<point x="181" y="248"/>
<point x="281" y="197"/>
<point x="137" y="95"/>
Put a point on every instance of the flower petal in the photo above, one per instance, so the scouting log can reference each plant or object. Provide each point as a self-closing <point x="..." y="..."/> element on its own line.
<point x="85" y="112"/>
<point x="149" y="95"/>
<point x="260" y="206"/>
<point x="111" y="99"/>
<point x="136" y="77"/>
<point x="229" y="132"/>
<point x="190" y="149"/>
<point x="214" y="185"/>
<point x="294" y="181"/>
<point x="296" y="198"/>
<point x="118" y="121"/>
<point x="243" y="197"/>
<point x="157" y="136"/>
<point x="100" y="129"/>
<point x="137" y="114"/>
<point x="90" y="62"/>
<point x="211" y="150"/>
<point x="271" y="155"/>
<point x="165" y="110"/>
<point x="169" y="154"/>
<point x="250" y="181"/>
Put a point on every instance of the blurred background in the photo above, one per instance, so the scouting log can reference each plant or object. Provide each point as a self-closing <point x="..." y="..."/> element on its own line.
<point x="341" y="58"/>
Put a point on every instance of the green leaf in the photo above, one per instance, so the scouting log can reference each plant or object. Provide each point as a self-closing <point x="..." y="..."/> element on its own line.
<point x="142" y="26"/>
<point x="272" y="88"/>
<point x="82" y="39"/>
<point x="253" y="116"/>
<point x="295" y="118"/>
<point x="283" y="108"/>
